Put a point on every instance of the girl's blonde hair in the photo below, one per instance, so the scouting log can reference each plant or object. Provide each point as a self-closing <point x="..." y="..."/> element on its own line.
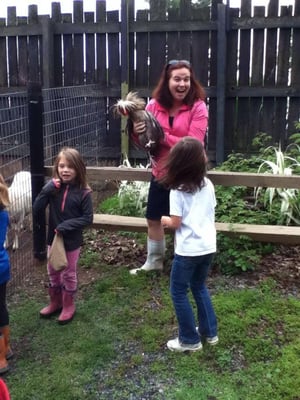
<point x="4" y="197"/>
<point x="75" y="160"/>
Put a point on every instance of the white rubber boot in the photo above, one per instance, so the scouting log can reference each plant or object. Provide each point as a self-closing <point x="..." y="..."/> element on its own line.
<point x="155" y="256"/>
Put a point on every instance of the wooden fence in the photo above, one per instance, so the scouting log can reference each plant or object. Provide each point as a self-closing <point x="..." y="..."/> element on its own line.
<point x="248" y="62"/>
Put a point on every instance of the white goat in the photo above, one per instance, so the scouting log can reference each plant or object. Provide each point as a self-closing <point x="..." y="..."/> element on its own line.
<point x="20" y="197"/>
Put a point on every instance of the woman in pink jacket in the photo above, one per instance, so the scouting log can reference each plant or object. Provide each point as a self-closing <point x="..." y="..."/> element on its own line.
<point x="178" y="103"/>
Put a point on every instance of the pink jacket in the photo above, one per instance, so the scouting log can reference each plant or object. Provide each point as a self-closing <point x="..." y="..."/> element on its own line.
<point x="187" y="122"/>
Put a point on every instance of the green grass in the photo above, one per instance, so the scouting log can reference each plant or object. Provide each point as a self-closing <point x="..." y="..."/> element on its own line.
<point x="115" y="348"/>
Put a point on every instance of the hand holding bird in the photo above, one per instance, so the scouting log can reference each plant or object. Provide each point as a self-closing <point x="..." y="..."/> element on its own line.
<point x="133" y="107"/>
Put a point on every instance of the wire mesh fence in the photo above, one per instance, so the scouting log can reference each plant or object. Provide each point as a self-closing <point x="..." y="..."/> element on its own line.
<point x="72" y="116"/>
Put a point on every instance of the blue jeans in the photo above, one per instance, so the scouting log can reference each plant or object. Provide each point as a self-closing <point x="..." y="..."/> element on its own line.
<point x="191" y="273"/>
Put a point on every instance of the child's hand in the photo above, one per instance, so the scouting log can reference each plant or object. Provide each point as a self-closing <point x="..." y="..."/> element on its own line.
<point x="172" y="222"/>
<point x="56" y="182"/>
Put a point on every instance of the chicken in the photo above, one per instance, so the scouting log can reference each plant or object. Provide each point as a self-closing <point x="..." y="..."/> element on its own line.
<point x="133" y="107"/>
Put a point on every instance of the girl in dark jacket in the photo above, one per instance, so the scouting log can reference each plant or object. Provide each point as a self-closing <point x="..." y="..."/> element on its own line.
<point x="70" y="211"/>
<point x="5" y="350"/>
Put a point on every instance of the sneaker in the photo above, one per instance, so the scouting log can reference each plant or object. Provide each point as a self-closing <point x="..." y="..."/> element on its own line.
<point x="176" y="345"/>
<point x="212" y="340"/>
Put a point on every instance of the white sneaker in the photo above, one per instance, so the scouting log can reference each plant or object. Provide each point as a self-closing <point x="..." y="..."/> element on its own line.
<point x="212" y="340"/>
<point x="176" y="345"/>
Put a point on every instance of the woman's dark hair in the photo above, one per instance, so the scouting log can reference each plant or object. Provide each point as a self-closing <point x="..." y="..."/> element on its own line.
<point x="75" y="160"/>
<point x="186" y="166"/>
<point x="162" y="93"/>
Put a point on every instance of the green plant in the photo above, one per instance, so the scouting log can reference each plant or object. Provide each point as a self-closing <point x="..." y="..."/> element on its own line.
<point x="237" y="205"/>
<point x="289" y="199"/>
<point x="133" y="192"/>
<point x="239" y="254"/>
<point x="131" y="199"/>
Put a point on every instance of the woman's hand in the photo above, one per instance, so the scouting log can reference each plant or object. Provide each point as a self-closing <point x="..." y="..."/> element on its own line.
<point x="139" y="128"/>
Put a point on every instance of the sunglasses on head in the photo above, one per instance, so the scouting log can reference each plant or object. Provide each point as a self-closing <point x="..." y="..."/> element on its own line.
<point x="174" y="62"/>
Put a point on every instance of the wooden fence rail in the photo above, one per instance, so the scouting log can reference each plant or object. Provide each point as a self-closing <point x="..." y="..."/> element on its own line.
<point x="223" y="178"/>
<point x="265" y="233"/>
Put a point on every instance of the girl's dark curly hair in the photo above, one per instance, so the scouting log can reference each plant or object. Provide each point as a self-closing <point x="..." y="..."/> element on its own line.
<point x="186" y="166"/>
<point x="162" y="93"/>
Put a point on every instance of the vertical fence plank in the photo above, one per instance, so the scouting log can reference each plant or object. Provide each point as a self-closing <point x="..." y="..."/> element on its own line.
<point x="68" y="66"/>
<point x="47" y="52"/>
<point x="3" y="65"/>
<point x="185" y="36"/>
<point x="172" y="39"/>
<point x="57" y="47"/>
<point x="280" y="122"/>
<point x="130" y="51"/>
<point x="114" y="79"/>
<point x="257" y="66"/>
<point x="125" y="70"/>
<point x="90" y="51"/>
<point x="242" y="138"/>
<point x="23" y="54"/>
<point x="212" y="102"/>
<point x="34" y="45"/>
<point x="200" y="46"/>
<point x="101" y="71"/>
<point x="142" y="45"/>
<point x="78" y="77"/>
<point x="270" y="71"/>
<point x="101" y="44"/>
<point x="230" y="129"/>
<point x="222" y="44"/>
<point x="157" y="44"/>
<point x="12" y="49"/>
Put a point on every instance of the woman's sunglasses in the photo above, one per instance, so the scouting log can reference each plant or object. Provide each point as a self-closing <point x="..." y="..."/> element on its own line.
<point x="174" y="62"/>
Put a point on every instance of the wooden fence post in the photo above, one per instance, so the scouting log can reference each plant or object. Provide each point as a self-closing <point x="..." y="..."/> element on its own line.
<point x="35" y="120"/>
<point x="124" y="74"/>
<point x="221" y="76"/>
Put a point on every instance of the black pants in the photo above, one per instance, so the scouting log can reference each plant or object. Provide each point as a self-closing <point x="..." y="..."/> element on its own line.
<point x="4" y="318"/>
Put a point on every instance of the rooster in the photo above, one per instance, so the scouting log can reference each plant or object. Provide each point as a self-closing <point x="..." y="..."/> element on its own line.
<point x="133" y="107"/>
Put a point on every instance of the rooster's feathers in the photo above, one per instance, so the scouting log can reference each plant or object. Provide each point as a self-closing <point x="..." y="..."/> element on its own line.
<point x="134" y="108"/>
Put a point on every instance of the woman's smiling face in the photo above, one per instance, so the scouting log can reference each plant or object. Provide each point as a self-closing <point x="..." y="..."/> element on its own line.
<point x="179" y="84"/>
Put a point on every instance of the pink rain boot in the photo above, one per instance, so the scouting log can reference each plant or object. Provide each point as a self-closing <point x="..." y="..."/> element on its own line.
<point x="55" y="302"/>
<point x="69" y="309"/>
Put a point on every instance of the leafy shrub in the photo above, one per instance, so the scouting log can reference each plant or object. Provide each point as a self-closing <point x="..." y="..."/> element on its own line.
<point x="265" y="206"/>
<point x="288" y="198"/>
<point x="236" y="204"/>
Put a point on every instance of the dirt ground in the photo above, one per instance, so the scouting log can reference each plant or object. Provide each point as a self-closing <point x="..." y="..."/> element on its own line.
<point x="124" y="252"/>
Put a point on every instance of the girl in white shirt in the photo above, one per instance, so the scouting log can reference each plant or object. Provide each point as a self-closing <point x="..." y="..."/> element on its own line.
<point x="192" y="215"/>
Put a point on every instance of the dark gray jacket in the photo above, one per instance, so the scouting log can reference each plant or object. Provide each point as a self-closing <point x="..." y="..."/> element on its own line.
<point x="70" y="211"/>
